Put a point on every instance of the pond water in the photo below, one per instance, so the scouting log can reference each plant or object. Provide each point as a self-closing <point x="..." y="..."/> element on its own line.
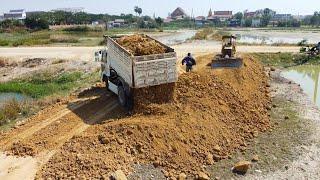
<point x="308" y="77"/>
<point x="176" y="37"/>
<point x="271" y="37"/>
<point x="9" y="96"/>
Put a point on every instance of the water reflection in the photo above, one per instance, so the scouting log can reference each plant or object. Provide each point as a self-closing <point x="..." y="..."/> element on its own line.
<point x="176" y="38"/>
<point x="4" y="97"/>
<point x="308" y="77"/>
<point x="276" y="37"/>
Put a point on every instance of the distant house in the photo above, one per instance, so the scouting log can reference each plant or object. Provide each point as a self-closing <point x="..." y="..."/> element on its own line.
<point x="18" y="14"/>
<point x="200" y="21"/>
<point x="281" y="17"/>
<point x="178" y="13"/>
<point x="117" y="23"/>
<point x="167" y="20"/>
<point x="247" y="14"/>
<point x="234" y="23"/>
<point x="1" y="17"/>
<point x="221" y="16"/>
<point x="256" y="22"/>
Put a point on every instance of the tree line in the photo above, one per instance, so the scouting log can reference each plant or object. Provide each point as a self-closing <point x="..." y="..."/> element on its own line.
<point x="42" y="20"/>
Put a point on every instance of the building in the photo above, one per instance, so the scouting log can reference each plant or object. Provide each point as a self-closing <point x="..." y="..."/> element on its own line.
<point x="221" y="16"/>
<point x="18" y="14"/>
<point x="1" y="17"/>
<point x="71" y="10"/>
<point x="256" y="22"/>
<point x="281" y="17"/>
<point x="200" y="21"/>
<point x="178" y="13"/>
<point x="117" y="23"/>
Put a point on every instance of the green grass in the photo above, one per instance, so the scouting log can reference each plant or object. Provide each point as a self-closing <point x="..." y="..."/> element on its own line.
<point x="286" y="59"/>
<point x="74" y="36"/>
<point x="43" y="88"/>
<point x="45" y="84"/>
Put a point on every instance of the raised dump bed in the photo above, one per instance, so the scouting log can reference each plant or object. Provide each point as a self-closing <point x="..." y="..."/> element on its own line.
<point x="131" y="66"/>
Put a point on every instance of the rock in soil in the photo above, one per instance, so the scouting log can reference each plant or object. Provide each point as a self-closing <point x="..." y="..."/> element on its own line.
<point x="255" y="158"/>
<point x="118" y="175"/>
<point x="182" y="176"/>
<point x="202" y="176"/>
<point x="241" y="167"/>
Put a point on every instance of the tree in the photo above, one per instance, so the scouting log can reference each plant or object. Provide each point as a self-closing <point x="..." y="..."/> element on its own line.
<point x="138" y="10"/>
<point x="266" y="17"/>
<point x="238" y="16"/>
<point x="248" y="22"/>
<point x="36" y="22"/>
<point x="159" y="21"/>
<point x="315" y="19"/>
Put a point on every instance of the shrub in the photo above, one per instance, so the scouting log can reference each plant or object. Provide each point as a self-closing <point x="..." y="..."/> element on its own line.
<point x="4" y="42"/>
<point x="63" y="39"/>
<point x="36" y="23"/>
<point x="77" y="29"/>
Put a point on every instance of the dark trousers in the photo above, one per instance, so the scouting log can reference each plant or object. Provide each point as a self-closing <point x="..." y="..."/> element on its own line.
<point x="188" y="68"/>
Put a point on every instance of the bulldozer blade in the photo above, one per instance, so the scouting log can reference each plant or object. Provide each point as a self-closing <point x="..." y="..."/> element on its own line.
<point x="227" y="63"/>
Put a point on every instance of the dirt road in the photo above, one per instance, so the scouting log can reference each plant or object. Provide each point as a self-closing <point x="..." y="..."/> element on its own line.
<point x="42" y="135"/>
<point x="86" y="53"/>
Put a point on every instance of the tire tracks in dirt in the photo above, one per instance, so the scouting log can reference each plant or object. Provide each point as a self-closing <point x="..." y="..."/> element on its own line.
<point x="42" y="124"/>
<point x="48" y="136"/>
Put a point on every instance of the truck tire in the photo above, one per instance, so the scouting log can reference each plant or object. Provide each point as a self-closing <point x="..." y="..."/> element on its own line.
<point x="106" y="82"/>
<point x="122" y="97"/>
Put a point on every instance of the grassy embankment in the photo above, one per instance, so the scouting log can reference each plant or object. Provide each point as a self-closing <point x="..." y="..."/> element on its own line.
<point x="43" y="88"/>
<point x="73" y="36"/>
<point x="210" y="34"/>
<point x="286" y="59"/>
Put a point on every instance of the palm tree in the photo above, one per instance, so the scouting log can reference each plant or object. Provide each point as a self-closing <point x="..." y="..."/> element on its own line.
<point x="136" y="8"/>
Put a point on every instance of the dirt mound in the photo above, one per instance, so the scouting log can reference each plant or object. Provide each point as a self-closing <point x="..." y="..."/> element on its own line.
<point x="213" y="113"/>
<point x="147" y="98"/>
<point x="140" y="45"/>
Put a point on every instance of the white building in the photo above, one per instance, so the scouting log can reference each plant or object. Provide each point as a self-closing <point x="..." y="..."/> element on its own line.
<point x="18" y="14"/>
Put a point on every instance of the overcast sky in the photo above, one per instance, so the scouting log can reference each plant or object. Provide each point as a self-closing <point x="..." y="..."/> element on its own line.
<point x="163" y="7"/>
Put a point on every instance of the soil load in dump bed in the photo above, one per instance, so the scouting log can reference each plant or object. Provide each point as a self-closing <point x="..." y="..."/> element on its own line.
<point x="213" y="114"/>
<point x="140" y="45"/>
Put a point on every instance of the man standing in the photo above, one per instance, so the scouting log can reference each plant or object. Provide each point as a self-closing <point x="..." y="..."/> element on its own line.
<point x="189" y="61"/>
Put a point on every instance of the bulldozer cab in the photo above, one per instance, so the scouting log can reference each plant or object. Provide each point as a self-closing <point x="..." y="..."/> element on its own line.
<point x="229" y="41"/>
<point x="228" y="46"/>
<point x="227" y="57"/>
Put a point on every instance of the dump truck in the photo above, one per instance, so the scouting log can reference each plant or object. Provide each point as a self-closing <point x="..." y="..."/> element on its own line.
<point x="124" y="72"/>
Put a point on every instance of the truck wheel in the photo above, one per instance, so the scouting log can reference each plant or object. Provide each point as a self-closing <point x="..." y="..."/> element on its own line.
<point x="122" y="96"/>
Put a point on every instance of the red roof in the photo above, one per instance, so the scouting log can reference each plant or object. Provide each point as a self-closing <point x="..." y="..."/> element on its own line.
<point x="223" y="13"/>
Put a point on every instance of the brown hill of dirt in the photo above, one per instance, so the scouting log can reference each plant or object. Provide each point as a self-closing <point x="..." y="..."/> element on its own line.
<point x="140" y="45"/>
<point x="213" y="114"/>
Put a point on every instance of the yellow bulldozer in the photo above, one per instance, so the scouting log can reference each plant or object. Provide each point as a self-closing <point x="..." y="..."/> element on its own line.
<point x="227" y="58"/>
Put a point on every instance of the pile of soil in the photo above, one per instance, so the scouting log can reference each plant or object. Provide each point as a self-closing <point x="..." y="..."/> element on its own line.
<point x="145" y="98"/>
<point x="212" y="114"/>
<point x="140" y="45"/>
